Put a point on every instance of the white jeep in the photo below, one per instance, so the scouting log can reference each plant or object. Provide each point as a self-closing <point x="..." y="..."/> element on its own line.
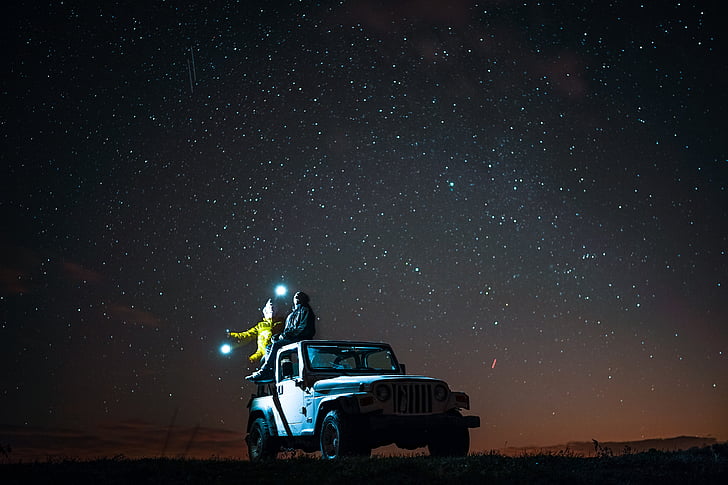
<point x="345" y="398"/>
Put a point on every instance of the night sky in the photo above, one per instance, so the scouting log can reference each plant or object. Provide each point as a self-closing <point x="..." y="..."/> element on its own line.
<point x="526" y="199"/>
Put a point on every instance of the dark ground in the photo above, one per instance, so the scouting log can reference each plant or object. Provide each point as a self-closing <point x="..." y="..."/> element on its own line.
<point x="704" y="465"/>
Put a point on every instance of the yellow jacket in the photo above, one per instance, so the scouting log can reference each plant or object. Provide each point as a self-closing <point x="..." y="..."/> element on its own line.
<point x="264" y="331"/>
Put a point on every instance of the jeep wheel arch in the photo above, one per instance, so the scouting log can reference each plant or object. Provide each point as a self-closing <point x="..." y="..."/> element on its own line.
<point x="343" y="404"/>
<point x="267" y="415"/>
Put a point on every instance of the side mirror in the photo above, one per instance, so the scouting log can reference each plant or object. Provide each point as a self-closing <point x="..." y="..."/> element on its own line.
<point x="402" y="369"/>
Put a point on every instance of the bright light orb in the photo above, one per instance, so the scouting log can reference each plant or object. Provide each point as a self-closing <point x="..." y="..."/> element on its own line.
<point x="225" y="349"/>
<point x="281" y="290"/>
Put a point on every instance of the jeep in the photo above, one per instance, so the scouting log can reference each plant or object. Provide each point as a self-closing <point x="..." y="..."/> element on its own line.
<point x="345" y="398"/>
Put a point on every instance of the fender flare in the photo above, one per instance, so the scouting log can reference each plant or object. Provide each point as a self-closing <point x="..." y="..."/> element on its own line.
<point x="348" y="404"/>
<point x="265" y="413"/>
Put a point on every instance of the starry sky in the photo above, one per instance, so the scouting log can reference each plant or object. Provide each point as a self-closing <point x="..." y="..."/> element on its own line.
<point x="527" y="199"/>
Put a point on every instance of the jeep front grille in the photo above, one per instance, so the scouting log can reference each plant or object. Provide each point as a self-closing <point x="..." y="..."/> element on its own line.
<point x="412" y="398"/>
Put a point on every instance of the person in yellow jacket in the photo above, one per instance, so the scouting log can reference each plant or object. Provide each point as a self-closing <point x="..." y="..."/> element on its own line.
<point x="262" y="331"/>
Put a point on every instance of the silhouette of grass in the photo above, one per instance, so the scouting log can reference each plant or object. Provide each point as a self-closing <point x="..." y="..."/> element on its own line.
<point x="699" y="465"/>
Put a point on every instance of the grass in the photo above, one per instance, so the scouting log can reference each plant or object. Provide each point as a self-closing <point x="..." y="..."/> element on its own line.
<point x="698" y="465"/>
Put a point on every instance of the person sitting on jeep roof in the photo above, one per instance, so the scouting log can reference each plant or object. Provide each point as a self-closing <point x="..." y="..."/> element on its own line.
<point x="262" y="332"/>
<point x="300" y="325"/>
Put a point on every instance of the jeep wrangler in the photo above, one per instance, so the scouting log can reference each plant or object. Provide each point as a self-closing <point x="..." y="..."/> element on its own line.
<point x="345" y="398"/>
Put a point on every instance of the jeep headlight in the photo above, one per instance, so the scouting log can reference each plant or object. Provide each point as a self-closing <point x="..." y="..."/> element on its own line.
<point x="382" y="392"/>
<point x="440" y="392"/>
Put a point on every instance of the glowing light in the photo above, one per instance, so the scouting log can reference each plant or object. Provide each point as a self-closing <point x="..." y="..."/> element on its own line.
<point x="492" y="366"/>
<point x="225" y="349"/>
<point x="281" y="290"/>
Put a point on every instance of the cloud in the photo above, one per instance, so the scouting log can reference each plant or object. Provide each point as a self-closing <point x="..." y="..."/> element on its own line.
<point x="593" y="448"/>
<point x="17" y="266"/>
<point x="387" y="16"/>
<point x="20" y="270"/>
<point x="131" y="439"/>
<point x="13" y="281"/>
<point x="77" y="272"/>
<point x="565" y="72"/>
<point x="133" y="316"/>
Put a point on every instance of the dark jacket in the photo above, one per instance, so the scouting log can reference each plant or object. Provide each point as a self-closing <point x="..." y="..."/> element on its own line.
<point x="300" y="324"/>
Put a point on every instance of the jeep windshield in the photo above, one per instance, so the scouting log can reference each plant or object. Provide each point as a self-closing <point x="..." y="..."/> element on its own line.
<point x="351" y="358"/>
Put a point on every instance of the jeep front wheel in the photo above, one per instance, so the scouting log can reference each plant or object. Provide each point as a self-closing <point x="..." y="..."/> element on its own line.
<point x="450" y="440"/>
<point x="261" y="444"/>
<point x="339" y="438"/>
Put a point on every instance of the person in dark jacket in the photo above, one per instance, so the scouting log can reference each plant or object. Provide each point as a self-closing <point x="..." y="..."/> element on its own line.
<point x="300" y="325"/>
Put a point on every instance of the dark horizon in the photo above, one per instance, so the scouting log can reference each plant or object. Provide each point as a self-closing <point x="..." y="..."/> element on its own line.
<point x="137" y="440"/>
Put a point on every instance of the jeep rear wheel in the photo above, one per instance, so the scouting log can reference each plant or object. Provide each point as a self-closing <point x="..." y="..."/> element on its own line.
<point x="262" y="445"/>
<point x="339" y="437"/>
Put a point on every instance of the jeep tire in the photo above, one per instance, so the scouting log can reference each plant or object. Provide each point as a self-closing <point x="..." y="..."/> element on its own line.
<point x="262" y="445"/>
<point x="449" y="441"/>
<point x="339" y="437"/>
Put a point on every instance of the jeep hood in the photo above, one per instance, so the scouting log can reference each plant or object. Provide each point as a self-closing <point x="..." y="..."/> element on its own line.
<point x="354" y="383"/>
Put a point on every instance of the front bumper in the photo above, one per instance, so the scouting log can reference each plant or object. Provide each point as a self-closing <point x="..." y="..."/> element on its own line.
<point x="413" y="432"/>
<point x="431" y="421"/>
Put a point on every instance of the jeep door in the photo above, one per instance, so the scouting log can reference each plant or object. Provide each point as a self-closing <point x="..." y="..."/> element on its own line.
<point x="290" y="395"/>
